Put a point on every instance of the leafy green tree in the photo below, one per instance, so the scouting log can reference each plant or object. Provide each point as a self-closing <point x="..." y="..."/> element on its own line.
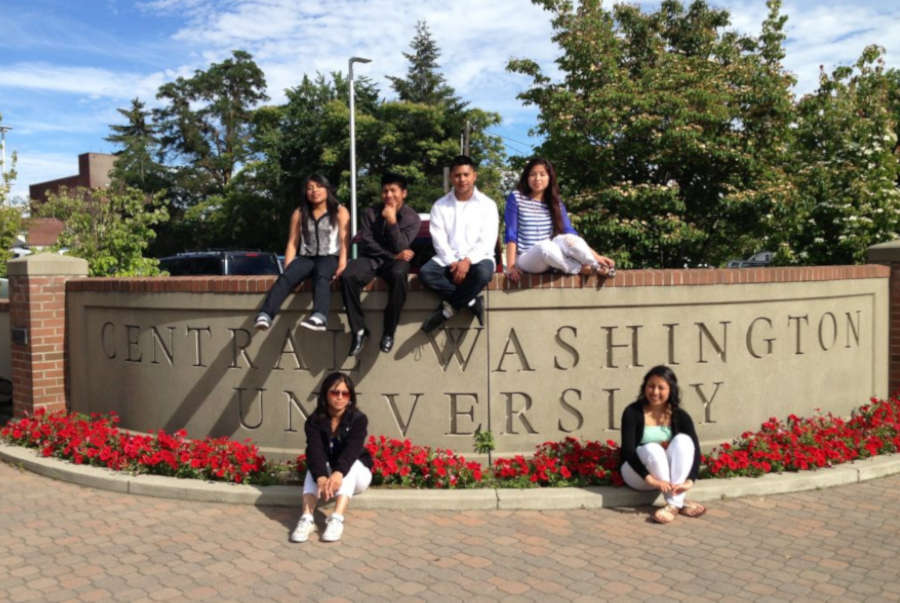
<point x="136" y="163"/>
<point x="205" y="123"/>
<point x="205" y="130"/>
<point x="845" y="194"/>
<point x="669" y="132"/>
<point x="11" y="224"/>
<point x="307" y="135"/>
<point x="11" y="221"/>
<point x="110" y="228"/>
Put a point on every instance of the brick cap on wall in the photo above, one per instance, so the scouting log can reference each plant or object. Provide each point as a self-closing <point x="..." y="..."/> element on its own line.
<point x="625" y="278"/>
<point x="885" y="253"/>
<point x="47" y="264"/>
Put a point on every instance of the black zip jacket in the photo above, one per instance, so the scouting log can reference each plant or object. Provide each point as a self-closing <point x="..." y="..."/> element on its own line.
<point x="339" y="450"/>
<point x="381" y="241"/>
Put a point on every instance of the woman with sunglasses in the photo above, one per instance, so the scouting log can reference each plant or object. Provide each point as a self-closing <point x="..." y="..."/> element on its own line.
<point x="338" y="465"/>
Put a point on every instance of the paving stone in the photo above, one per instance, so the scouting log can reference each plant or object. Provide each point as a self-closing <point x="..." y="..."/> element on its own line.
<point x="64" y="542"/>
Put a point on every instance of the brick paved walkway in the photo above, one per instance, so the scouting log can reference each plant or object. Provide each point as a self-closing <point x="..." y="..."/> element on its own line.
<point x="64" y="542"/>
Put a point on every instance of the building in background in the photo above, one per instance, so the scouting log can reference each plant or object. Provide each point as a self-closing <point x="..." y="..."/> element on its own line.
<point x="94" y="171"/>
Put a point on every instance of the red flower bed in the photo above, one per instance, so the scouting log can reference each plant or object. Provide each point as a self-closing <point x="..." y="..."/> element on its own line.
<point x="402" y="463"/>
<point x="97" y="441"/>
<point x="566" y="463"/>
<point x="792" y="445"/>
<point x="807" y="443"/>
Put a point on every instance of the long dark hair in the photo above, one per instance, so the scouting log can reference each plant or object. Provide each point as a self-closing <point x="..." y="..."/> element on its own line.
<point x="331" y="203"/>
<point x="668" y="374"/>
<point x="551" y="193"/>
<point x="329" y="382"/>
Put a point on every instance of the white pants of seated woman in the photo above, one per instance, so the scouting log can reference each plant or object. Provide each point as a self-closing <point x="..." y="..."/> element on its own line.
<point x="672" y="464"/>
<point x="355" y="482"/>
<point x="566" y="252"/>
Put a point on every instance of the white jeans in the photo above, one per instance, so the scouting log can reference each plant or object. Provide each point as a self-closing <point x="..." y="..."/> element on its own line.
<point x="355" y="482"/>
<point x="672" y="464"/>
<point x="566" y="252"/>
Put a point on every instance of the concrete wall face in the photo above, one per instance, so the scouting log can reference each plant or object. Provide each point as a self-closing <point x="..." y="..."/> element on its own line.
<point x="548" y="363"/>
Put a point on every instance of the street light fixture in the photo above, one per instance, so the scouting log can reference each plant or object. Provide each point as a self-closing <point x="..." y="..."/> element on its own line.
<point x="353" y="150"/>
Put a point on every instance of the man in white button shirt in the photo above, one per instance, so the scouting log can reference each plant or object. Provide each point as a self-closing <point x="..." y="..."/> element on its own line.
<point x="464" y="225"/>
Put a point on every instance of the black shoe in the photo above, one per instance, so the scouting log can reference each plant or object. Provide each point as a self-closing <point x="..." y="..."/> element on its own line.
<point x="434" y="321"/>
<point x="477" y="309"/>
<point x="387" y="343"/>
<point x="359" y="342"/>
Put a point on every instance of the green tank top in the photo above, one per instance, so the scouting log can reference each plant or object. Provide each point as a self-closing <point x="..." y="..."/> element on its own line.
<point x="656" y="434"/>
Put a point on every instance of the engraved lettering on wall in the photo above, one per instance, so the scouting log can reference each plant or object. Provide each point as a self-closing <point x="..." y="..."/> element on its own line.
<point x="402" y="425"/>
<point x="462" y="404"/>
<point x="252" y="409"/>
<point x="454" y="338"/>
<point x="565" y="345"/>
<point x="569" y="406"/>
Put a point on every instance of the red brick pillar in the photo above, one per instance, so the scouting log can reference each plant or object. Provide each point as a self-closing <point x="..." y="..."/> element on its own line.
<point x="889" y="254"/>
<point x="37" y="321"/>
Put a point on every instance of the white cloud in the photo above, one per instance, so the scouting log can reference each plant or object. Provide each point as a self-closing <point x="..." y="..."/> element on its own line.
<point x="824" y="33"/>
<point x="87" y="81"/>
<point x="290" y="38"/>
<point x="836" y="35"/>
<point x="80" y="89"/>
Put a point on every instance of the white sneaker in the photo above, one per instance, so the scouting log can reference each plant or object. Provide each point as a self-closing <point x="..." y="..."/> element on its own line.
<point x="263" y="321"/>
<point x="334" y="527"/>
<point x="304" y="528"/>
<point x="314" y="322"/>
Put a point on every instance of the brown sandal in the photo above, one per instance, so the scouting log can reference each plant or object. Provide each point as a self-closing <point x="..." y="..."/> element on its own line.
<point x="692" y="509"/>
<point x="665" y="514"/>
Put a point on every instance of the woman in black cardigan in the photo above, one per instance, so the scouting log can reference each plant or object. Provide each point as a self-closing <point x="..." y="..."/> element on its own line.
<point x="660" y="449"/>
<point x="338" y="465"/>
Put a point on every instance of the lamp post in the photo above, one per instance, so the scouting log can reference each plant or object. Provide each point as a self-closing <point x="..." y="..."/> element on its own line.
<point x="353" y="151"/>
<point x="3" y="131"/>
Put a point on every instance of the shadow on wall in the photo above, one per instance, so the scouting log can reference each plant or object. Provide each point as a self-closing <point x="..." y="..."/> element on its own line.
<point x="274" y="343"/>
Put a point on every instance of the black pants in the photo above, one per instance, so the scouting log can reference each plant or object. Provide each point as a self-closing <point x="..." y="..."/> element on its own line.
<point x="320" y="267"/>
<point x="437" y="278"/>
<point x="358" y="274"/>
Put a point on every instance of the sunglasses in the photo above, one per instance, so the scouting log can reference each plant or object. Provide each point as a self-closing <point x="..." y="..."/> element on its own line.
<point x="339" y="393"/>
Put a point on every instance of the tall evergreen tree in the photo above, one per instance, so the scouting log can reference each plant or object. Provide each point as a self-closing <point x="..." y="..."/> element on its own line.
<point x="136" y="163"/>
<point x="420" y="131"/>
<point x="424" y="83"/>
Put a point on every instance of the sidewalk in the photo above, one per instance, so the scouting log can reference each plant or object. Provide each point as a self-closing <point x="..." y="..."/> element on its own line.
<point x="459" y="500"/>
<point x="60" y="541"/>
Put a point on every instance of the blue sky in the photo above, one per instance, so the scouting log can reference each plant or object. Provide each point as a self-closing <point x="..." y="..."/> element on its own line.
<point x="65" y="67"/>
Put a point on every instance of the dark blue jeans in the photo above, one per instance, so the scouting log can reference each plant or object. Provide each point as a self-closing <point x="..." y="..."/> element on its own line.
<point x="319" y="267"/>
<point x="437" y="278"/>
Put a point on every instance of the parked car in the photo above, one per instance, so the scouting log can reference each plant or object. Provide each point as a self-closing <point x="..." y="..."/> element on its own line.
<point x="763" y="258"/>
<point x="220" y="262"/>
